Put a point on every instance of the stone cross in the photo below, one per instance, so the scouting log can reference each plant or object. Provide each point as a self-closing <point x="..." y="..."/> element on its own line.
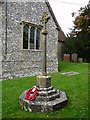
<point x="48" y="99"/>
<point x="44" y="20"/>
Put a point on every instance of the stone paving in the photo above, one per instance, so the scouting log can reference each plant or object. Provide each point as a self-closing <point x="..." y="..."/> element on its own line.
<point x="70" y="73"/>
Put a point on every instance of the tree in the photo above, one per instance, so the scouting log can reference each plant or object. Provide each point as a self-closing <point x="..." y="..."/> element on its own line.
<point x="79" y="39"/>
<point x="82" y="20"/>
<point x="70" y="45"/>
<point x="82" y="32"/>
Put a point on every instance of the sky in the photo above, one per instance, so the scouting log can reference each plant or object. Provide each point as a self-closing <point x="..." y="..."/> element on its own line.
<point x="63" y="10"/>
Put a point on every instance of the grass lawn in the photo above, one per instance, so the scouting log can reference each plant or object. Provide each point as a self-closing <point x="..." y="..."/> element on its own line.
<point x="75" y="86"/>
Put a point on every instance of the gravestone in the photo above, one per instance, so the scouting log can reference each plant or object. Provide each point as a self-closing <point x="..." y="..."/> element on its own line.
<point x="66" y="57"/>
<point x="74" y="57"/>
<point x="48" y="99"/>
<point x="80" y="60"/>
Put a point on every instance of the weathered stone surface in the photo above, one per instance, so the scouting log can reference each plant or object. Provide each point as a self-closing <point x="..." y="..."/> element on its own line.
<point x="66" y="57"/>
<point x="88" y="72"/>
<point x="70" y="73"/>
<point x="80" y="60"/>
<point x="74" y="57"/>
<point x="18" y="62"/>
<point x="43" y="81"/>
<point x="0" y="42"/>
<point x="49" y="99"/>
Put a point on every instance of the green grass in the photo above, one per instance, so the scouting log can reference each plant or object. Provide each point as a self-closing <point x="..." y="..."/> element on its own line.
<point x="0" y="99"/>
<point x="76" y="88"/>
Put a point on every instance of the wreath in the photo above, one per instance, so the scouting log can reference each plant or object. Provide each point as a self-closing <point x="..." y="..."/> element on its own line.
<point x="31" y="93"/>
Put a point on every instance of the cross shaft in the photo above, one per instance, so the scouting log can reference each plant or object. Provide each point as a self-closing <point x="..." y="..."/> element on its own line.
<point x="44" y="21"/>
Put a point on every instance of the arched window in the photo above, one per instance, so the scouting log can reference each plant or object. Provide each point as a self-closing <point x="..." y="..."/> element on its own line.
<point x="32" y="32"/>
<point x="25" y="37"/>
<point x="38" y="39"/>
<point x="31" y="36"/>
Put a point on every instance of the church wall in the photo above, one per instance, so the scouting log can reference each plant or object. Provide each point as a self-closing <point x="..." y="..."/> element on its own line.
<point x="0" y="41"/>
<point x="60" y="54"/>
<point x="18" y="62"/>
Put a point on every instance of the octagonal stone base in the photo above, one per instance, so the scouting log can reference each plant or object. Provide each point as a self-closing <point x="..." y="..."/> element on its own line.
<point x="48" y="99"/>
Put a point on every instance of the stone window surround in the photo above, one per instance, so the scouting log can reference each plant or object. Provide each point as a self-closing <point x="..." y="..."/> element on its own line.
<point x="23" y="23"/>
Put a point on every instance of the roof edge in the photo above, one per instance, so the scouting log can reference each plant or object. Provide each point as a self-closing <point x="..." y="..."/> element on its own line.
<point x="52" y="13"/>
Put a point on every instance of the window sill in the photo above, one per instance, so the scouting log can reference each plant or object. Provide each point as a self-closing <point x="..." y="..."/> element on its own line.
<point x="31" y="50"/>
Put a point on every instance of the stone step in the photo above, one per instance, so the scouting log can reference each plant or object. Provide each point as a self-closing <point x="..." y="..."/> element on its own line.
<point x="44" y="106"/>
<point x="47" y="93"/>
<point x="48" y="97"/>
<point x="53" y="97"/>
<point x="45" y="89"/>
<point x="51" y="105"/>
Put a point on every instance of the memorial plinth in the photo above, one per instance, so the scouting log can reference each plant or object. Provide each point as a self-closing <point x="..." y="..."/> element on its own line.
<point x="43" y="81"/>
<point x="48" y="98"/>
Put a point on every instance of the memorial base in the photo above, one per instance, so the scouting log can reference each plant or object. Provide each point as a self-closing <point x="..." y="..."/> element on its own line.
<point x="48" y="99"/>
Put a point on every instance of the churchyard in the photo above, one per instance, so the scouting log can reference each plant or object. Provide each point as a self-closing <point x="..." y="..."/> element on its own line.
<point x="75" y="87"/>
<point x="40" y="96"/>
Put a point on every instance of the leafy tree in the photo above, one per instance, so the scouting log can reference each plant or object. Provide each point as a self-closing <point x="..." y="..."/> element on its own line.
<point x="82" y="20"/>
<point x="69" y="46"/>
<point x="79" y="39"/>
<point x="82" y="32"/>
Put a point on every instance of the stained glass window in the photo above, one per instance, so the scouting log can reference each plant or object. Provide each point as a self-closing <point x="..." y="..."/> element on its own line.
<point x="32" y="32"/>
<point x="25" y="37"/>
<point x="38" y="39"/>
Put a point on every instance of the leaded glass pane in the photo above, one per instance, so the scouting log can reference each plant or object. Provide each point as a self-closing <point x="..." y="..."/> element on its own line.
<point x="25" y="37"/>
<point x="32" y="32"/>
<point x="38" y="39"/>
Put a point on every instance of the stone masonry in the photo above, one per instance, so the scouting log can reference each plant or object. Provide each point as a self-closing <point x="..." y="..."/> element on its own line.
<point x="0" y="42"/>
<point x="17" y="62"/>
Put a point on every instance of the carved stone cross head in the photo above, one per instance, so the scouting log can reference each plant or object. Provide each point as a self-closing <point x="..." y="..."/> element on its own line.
<point x="44" y="20"/>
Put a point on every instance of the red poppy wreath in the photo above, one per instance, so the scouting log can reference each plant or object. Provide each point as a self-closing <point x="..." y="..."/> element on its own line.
<point x="31" y="93"/>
